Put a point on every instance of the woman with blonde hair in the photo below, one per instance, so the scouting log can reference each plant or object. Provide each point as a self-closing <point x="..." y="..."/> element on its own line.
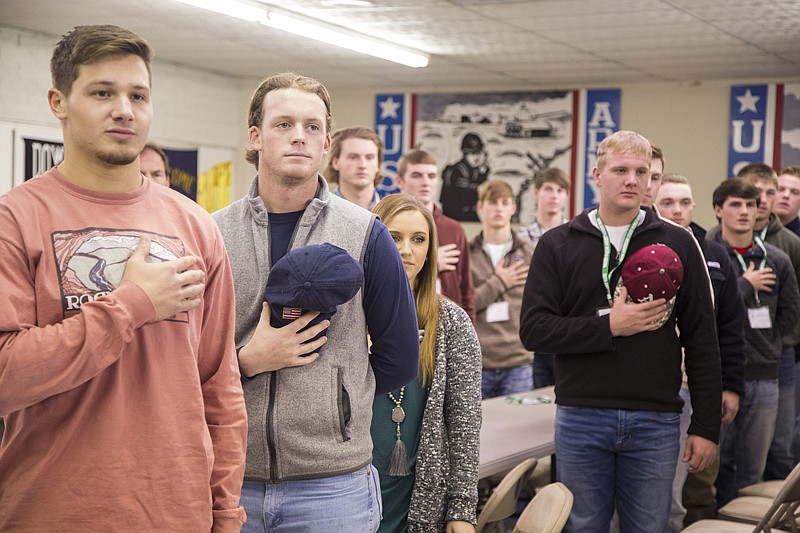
<point x="426" y="435"/>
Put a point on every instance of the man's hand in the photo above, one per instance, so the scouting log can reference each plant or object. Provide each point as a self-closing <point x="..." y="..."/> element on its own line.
<point x="512" y="275"/>
<point x="275" y="348"/>
<point x="730" y="406"/>
<point x="457" y="526"/>
<point x="171" y="287"/>
<point x="629" y="319"/>
<point x="761" y="280"/>
<point x="699" y="453"/>
<point x="448" y="257"/>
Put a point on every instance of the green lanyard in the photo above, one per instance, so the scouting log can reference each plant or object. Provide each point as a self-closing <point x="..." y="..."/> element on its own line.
<point x="739" y="257"/>
<point x="606" y="273"/>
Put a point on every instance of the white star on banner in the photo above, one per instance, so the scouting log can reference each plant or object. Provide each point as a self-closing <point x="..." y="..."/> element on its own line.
<point x="389" y="108"/>
<point x="747" y="102"/>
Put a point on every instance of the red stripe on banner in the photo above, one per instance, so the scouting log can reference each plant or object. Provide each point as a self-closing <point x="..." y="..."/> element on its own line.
<point x="776" y="138"/>
<point x="413" y="119"/>
<point x="573" y="164"/>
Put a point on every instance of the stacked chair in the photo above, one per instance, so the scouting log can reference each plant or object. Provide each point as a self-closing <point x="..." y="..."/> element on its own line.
<point x="762" y="507"/>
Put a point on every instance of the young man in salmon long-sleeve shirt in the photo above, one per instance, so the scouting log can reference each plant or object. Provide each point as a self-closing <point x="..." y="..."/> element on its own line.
<point x="118" y="375"/>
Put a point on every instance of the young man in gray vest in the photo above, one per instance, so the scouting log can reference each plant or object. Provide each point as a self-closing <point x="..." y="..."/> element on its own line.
<point x="309" y="399"/>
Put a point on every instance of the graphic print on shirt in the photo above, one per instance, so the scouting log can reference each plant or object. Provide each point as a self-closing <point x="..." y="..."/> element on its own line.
<point x="91" y="262"/>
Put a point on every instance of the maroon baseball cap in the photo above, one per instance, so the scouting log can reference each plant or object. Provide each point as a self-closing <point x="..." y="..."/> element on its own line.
<point x="652" y="272"/>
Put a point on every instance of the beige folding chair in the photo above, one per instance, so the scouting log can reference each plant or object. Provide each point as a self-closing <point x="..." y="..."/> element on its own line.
<point x="765" y="489"/>
<point x="547" y="512"/>
<point x="764" y="513"/>
<point x="503" y="501"/>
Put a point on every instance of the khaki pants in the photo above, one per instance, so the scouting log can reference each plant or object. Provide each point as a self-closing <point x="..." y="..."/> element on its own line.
<point x="700" y="495"/>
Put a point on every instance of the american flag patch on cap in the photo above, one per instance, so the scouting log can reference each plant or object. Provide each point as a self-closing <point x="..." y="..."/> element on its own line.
<point x="291" y="313"/>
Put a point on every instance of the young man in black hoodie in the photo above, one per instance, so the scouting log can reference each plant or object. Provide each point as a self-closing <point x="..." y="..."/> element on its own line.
<point x="769" y="288"/>
<point x="618" y="364"/>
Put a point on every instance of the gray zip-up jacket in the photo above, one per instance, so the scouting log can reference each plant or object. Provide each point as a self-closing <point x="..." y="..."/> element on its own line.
<point x="311" y="421"/>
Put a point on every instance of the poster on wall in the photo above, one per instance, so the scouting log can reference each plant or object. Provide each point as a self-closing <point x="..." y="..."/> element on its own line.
<point x="509" y="136"/>
<point x="35" y="152"/>
<point x="790" y="126"/>
<point x="183" y="171"/>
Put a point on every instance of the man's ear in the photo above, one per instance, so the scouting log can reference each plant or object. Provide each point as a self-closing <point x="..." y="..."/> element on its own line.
<point x="327" y="145"/>
<point x="254" y="135"/>
<point x="58" y="103"/>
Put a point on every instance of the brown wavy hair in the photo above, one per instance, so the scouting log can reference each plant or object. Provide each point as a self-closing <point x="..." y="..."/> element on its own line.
<point x="284" y="80"/>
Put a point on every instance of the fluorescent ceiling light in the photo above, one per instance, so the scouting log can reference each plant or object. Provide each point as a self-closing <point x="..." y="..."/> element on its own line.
<point x="344" y="40"/>
<point x="312" y="30"/>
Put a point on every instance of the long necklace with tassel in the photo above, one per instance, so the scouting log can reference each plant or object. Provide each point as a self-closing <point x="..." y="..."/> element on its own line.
<point x="398" y="464"/>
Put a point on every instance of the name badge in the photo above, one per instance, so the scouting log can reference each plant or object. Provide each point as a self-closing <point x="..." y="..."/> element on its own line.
<point x="498" y="312"/>
<point x="603" y="311"/>
<point x="759" y="317"/>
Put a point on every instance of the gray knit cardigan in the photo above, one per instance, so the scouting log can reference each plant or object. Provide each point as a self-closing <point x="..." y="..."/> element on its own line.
<point x="446" y="484"/>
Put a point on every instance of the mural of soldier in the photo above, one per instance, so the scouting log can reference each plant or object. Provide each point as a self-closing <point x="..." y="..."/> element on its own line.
<point x="461" y="180"/>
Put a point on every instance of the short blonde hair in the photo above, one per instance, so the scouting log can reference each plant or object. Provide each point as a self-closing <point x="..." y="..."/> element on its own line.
<point x="626" y="143"/>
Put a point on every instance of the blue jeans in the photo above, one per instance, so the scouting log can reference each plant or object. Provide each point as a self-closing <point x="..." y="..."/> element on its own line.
<point x="544" y="371"/>
<point x="502" y="381"/>
<point x="745" y="442"/>
<point x="350" y="502"/>
<point x="780" y="459"/>
<point x="609" y="457"/>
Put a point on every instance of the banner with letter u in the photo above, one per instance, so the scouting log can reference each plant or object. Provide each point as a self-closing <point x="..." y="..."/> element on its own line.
<point x="393" y="123"/>
<point x="752" y="126"/>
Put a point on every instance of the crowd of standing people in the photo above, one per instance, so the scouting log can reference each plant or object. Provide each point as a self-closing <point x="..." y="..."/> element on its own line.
<point x="309" y="359"/>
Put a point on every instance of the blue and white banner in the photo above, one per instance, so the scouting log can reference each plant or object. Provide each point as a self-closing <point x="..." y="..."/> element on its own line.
<point x="393" y="114"/>
<point x="752" y="126"/>
<point x="183" y="171"/>
<point x="598" y="117"/>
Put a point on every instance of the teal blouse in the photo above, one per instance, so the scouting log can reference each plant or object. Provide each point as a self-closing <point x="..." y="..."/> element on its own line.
<point x="396" y="491"/>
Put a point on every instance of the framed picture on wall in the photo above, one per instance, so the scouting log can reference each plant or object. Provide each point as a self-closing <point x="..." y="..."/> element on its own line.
<point x="36" y="150"/>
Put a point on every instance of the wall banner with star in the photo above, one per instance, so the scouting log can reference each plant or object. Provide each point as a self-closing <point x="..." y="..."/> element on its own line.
<point x="754" y="129"/>
<point x="393" y="119"/>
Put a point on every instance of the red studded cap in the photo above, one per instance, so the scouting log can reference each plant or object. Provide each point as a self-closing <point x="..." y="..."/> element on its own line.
<point x="652" y="272"/>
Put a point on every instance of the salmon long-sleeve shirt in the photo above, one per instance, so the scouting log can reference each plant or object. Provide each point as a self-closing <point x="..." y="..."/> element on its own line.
<point x="113" y="422"/>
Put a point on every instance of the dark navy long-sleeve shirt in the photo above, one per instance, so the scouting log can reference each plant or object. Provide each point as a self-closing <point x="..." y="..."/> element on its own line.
<point x="388" y="302"/>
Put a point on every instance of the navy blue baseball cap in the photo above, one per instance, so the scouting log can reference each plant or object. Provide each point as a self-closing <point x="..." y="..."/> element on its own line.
<point x="318" y="277"/>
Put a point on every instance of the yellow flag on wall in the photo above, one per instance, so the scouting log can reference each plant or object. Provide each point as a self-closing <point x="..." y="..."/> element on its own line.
<point x="214" y="187"/>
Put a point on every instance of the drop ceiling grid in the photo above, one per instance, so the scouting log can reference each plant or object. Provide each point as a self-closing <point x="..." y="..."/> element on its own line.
<point x="502" y="42"/>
